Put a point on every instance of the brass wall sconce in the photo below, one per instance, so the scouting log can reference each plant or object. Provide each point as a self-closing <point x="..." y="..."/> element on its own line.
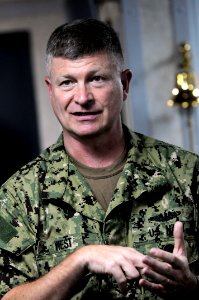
<point x="185" y="93"/>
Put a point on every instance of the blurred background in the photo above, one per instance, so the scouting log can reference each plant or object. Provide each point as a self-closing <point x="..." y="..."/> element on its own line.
<point x="151" y="32"/>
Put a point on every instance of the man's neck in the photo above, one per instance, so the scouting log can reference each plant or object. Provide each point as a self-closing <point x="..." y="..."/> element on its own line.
<point x="96" y="152"/>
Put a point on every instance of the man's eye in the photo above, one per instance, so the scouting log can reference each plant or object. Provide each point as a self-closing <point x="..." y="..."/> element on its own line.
<point x="97" y="78"/>
<point x="66" y="82"/>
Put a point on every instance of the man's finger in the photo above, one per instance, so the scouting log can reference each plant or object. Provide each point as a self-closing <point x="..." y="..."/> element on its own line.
<point x="179" y="243"/>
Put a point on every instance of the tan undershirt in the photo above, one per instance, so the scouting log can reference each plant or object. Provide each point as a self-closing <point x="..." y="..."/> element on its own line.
<point x="103" y="181"/>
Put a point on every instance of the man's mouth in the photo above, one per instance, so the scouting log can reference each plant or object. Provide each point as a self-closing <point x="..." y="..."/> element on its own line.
<point x="88" y="113"/>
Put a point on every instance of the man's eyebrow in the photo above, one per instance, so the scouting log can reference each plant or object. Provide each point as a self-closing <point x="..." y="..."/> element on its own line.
<point x="66" y="76"/>
<point x="90" y="73"/>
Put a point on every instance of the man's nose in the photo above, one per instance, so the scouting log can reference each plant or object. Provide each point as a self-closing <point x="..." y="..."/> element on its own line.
<point x="83" y="94"/>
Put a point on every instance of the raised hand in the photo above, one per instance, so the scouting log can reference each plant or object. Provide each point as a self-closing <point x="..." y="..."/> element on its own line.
<point x="169" y="272"/>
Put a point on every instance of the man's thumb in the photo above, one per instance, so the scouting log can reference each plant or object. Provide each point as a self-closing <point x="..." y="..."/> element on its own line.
<point x="179" y="244"/>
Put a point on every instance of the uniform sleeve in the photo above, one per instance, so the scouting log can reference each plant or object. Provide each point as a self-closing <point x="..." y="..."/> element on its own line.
<point x="195" y="184"/>
<point x="17" y="254"/>
<point x="195" y="193"/>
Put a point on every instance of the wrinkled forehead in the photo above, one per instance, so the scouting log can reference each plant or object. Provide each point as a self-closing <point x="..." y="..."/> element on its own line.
<point x="106" y="57"/>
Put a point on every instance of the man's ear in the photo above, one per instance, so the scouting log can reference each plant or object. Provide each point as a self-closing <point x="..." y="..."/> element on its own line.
<point x="126" y="78"/>
<point x="48" y="83"/>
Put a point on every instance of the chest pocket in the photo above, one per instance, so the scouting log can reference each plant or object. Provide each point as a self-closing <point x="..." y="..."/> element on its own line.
<point x="152" y="226"/>
<point x="63" y="230"/>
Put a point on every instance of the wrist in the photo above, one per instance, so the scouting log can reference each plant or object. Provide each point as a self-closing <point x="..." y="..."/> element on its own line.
<point x="82" y="259"/>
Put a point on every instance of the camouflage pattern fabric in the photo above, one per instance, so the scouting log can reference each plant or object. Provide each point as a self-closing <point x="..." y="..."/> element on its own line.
<point x="48" y="210"/>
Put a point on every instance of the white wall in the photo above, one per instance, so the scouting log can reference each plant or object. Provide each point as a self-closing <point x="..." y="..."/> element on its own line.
<point x="150" y="48"/>
<point x="160" y="63"/>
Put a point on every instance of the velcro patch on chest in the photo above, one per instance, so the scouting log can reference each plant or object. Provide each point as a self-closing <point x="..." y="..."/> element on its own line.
<point x="7" y="231"/>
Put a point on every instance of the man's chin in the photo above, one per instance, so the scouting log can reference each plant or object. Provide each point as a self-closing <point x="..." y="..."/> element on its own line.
<point x="87" y="134"/>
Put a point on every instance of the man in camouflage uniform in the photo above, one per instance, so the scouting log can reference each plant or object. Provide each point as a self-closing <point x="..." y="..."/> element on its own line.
<point x="104" y="211"/>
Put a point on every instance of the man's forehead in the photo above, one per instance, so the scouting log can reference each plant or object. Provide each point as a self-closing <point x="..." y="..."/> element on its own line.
<point x="103" y="55"/>
<point x="87" y="61"/>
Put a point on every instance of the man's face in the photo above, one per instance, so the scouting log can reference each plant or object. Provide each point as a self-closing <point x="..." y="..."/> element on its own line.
<point x="87" y="94"/>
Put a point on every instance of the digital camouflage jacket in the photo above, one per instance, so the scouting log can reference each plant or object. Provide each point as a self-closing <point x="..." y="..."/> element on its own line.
<point x="48" y="210"/>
